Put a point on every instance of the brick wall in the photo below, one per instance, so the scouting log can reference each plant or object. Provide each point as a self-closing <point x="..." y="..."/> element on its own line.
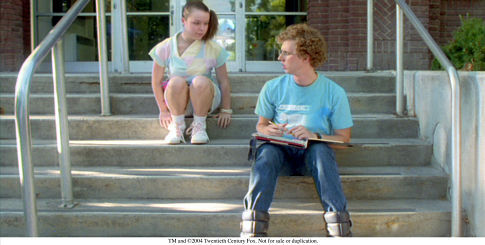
<point x="450" y="10"/>
<point x="26" y="27"/>
<point x="344" y="24"/>
<point x="13" y="33"/>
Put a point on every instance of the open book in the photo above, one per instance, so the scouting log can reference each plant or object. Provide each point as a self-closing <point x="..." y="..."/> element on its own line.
<point x="292" y="142"/>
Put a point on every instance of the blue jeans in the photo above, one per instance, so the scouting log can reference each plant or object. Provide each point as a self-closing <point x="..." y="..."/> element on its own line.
<point x="318" y="160"/>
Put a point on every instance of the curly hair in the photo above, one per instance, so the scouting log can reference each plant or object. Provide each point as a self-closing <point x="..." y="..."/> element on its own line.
<point x="309" y="42"/>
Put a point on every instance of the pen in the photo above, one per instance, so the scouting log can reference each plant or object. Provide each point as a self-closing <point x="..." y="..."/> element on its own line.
<point x="281" y="128"/>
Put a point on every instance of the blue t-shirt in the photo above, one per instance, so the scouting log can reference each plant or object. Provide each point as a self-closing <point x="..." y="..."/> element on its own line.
<point x="321" y="107"/>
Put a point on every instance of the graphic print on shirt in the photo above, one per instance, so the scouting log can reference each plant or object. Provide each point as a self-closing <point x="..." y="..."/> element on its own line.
<point x="293" y="115"/>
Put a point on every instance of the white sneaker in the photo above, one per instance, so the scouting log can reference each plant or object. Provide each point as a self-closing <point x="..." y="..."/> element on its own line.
<point x="175" y="134"/>
<point x="199" y="135"/>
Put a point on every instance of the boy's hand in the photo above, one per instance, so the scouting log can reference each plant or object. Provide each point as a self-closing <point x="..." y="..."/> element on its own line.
<point x="276" y="129"/>
<point x="300" y="132"/>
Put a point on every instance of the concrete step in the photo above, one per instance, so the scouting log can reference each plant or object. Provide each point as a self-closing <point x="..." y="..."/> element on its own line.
<point x="378" y="82"/>
<point x="121" y="104"/>
<point x="225" y="182"/>
<point x="147" y="127"/>
<point x="148" y="153"/>
<point x="220" y="218"/>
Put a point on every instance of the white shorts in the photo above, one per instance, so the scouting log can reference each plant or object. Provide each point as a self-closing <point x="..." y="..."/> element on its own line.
<point x="216" y="100"/>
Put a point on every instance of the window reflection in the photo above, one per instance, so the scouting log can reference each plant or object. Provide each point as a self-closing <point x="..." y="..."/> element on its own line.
<point x="276" y="5"/>
<point x="262" y="29"/>
<point x="147" y="5"/>
<point x="261" y="33"/>
<point x="226" y="35"/>
<point x="79" y="42"/>
<point x="144" y="32"/>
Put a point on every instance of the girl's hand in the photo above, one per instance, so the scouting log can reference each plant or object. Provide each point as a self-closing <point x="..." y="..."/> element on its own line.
<point x="223" y="119"/>
<point x="165" y="119"/>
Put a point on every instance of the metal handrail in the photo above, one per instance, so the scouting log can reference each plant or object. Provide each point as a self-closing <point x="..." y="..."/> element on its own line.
<point x="399" y="62"/>
<point x="402" y="7"/>
<point x="103" y="58"/>
<point x="456" y="205"/>
<point x="370" y="35"/>
<point x="22" y="118"/>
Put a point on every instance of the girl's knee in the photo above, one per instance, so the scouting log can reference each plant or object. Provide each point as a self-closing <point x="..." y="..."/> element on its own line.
<point x="201" y="82"/>
<point x="177" y="84"/>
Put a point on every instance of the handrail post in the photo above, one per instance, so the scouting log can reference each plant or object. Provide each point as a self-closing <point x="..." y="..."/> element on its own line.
<point x="24" y="148"/>
<point x="456" y="206"/>
<point x="124" y="38"/>
<point x="119" y="31"/>
<point x="62" y="130"/>
<point x="370" y="35"/>
<point x="399" y="62"/>
<point x="103" y="58"/>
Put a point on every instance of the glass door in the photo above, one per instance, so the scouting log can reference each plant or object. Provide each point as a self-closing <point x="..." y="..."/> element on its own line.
<point x="247" y="29"/>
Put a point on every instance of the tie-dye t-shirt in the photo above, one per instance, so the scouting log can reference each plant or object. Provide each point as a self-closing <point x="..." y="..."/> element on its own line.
<point x="198" y="59"/>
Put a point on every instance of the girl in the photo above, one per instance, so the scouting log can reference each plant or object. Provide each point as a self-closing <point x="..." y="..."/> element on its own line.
<point x="189" y="57"/>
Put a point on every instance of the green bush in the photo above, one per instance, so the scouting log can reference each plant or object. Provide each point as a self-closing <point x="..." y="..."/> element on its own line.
<point x="467" y="49"/>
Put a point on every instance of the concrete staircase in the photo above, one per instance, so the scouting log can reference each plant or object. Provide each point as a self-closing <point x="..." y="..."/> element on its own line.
<point x="127" y="183"/>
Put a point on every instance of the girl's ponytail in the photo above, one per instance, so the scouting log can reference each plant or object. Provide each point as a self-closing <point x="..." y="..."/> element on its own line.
<point x="213" y="25"/>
